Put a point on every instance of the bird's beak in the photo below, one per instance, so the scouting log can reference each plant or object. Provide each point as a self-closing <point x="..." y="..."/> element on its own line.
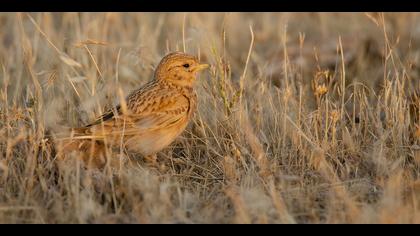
<point x="201" y="67"/>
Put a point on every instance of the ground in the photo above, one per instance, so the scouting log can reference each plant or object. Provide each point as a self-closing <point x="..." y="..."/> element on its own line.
<point x="302" y="118"/>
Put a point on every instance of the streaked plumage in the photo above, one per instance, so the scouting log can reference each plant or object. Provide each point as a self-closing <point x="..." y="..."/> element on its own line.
<point x="153" y="115"/>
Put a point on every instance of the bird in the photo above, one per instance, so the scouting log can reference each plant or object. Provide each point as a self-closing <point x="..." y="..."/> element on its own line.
<point x="150" y="118"/>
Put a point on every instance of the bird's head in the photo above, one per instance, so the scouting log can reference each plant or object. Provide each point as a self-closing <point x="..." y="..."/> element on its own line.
<point x="179" y="68"/>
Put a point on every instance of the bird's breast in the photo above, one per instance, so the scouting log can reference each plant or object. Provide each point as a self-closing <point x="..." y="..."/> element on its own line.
<point x="154" y="141"/>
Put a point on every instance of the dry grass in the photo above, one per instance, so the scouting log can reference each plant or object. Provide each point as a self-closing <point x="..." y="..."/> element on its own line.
<point x="303" y="118"/>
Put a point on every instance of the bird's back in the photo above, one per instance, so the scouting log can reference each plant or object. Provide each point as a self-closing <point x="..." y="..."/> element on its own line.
<point x="155" y="115"/>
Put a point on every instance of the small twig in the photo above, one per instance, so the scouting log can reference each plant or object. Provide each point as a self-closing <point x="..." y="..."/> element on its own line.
<point x="43" y="34"/>
<point x="68" y="78"/>
<point x="247" y="61"/>
<point x="183" y="32"/>
<point x="300" y="131"/>
<point x="117" y="66"/>
<point x="93" y="59"/>
<point x="343" y="79"/>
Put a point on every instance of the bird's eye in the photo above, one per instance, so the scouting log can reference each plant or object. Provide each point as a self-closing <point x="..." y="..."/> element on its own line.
<point x="186" y="65"/>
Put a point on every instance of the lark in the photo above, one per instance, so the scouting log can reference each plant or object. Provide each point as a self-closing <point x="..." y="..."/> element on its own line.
<point x="151" y="117"/>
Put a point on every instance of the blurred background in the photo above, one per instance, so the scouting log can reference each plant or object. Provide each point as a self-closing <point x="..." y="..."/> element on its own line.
<point x="303" y="117"/>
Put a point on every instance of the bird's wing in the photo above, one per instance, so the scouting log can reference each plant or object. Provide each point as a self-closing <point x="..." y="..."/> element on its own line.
<point x="111" y="113"/>
<point x="165" y="110"/>
<point x="146" y="111"/>
<point x="140" y="94"/>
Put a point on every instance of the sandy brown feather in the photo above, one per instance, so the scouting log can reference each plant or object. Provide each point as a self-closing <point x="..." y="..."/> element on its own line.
<point x="156" y="113"/>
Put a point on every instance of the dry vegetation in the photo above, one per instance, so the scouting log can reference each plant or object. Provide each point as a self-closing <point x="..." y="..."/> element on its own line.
<point x="303" y="118"/>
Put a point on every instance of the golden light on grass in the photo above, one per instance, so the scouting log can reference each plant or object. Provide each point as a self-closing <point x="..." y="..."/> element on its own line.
<point x="302" y="118"/>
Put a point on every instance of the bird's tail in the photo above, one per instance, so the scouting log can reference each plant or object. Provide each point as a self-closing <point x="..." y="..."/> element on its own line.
<point x="79" y="142"/>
